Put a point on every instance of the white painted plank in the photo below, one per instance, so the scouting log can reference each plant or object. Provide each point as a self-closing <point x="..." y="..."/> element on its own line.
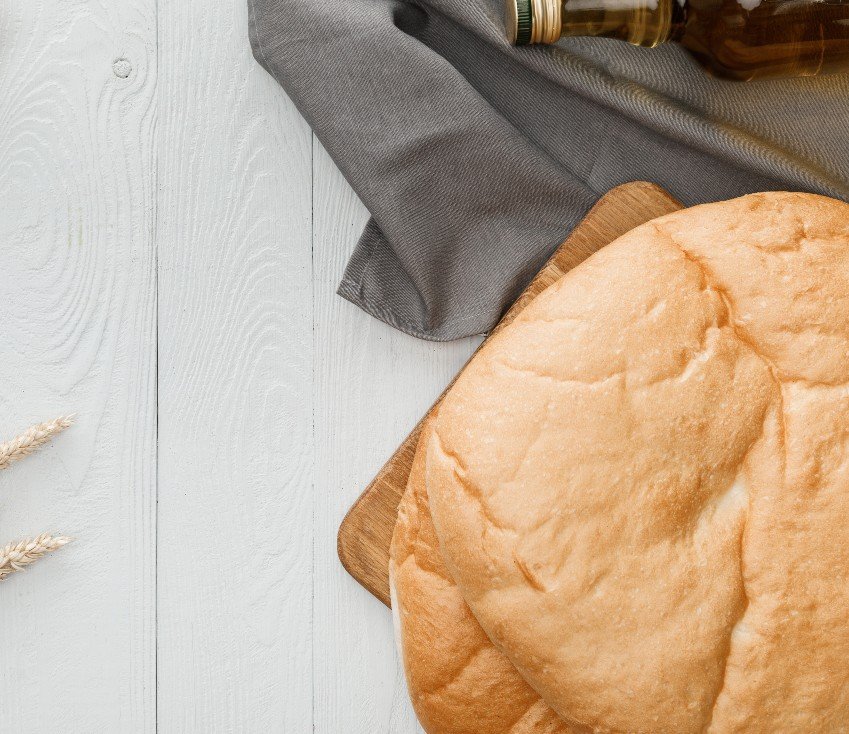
<point x="235" y="412"/>
<point x="372" y="384"/>
<point x="77" y="333"/>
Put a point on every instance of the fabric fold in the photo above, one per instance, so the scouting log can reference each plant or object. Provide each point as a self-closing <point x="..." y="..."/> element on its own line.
<point x="476" y="159"/>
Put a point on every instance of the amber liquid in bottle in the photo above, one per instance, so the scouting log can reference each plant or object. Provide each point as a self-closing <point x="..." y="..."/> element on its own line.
<point x="736" y="39"/>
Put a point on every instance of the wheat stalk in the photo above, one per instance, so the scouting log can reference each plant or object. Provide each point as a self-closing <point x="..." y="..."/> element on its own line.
<point x="31" y="439"/>
<point x="16" y="556"/>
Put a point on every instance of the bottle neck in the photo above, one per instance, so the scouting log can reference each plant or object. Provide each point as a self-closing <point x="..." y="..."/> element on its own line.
<point x="547" y="24"/>
<point x="640" y="22"/>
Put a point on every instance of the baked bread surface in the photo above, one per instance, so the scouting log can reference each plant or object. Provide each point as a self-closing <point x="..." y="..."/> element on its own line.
<point x="458" y="681"/>
<point x="641" y="486"/>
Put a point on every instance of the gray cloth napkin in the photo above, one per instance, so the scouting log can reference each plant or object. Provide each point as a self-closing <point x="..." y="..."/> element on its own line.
<point x="475" y="159"/>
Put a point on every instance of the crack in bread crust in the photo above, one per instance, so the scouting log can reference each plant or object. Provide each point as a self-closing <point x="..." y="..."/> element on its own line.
<point x="460" y="473"/>
<point x="711" y="282"/>
<point x="619" y="374"/>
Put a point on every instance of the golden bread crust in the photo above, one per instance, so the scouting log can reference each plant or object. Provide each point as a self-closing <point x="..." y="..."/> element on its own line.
<point x="458" y="681"/>
<point x="641" y="486"/>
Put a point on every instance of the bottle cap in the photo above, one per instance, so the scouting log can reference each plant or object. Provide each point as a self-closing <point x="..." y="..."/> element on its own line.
<point x="519" y="21"/>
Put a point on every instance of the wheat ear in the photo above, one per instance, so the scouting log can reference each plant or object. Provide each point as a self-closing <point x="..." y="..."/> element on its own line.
<point x="31" y="439"/>
<point x="16" y="556"/>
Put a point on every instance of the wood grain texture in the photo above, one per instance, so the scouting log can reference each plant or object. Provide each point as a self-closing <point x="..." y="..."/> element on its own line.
<point x="235" y="384"/>
<point x="77" y="334"/>
<point x="370" y="384"/>
<point x="366" y="532"/>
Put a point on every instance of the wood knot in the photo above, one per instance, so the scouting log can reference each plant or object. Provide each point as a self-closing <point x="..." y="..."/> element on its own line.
<point x="122" y="68"/>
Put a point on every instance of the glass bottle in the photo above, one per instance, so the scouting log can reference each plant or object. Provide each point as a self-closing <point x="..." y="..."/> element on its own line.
<point x="735" y="39"/>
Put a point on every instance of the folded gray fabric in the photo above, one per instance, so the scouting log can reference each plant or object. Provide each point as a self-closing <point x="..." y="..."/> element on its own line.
<point x="475" y="159"/>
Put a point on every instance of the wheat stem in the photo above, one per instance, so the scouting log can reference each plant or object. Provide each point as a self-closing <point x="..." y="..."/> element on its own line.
<point x="16" y="556"/>
<point x="31" y="439"/>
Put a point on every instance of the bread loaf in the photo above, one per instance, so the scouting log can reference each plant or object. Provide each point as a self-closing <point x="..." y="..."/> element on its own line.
<point x="641" y="486"/>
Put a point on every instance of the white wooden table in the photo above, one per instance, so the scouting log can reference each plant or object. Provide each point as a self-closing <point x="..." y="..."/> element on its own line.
<point x="172" y="236"/>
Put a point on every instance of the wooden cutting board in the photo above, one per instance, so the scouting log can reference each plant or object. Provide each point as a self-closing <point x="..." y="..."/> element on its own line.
<point x="366" y="532"/>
